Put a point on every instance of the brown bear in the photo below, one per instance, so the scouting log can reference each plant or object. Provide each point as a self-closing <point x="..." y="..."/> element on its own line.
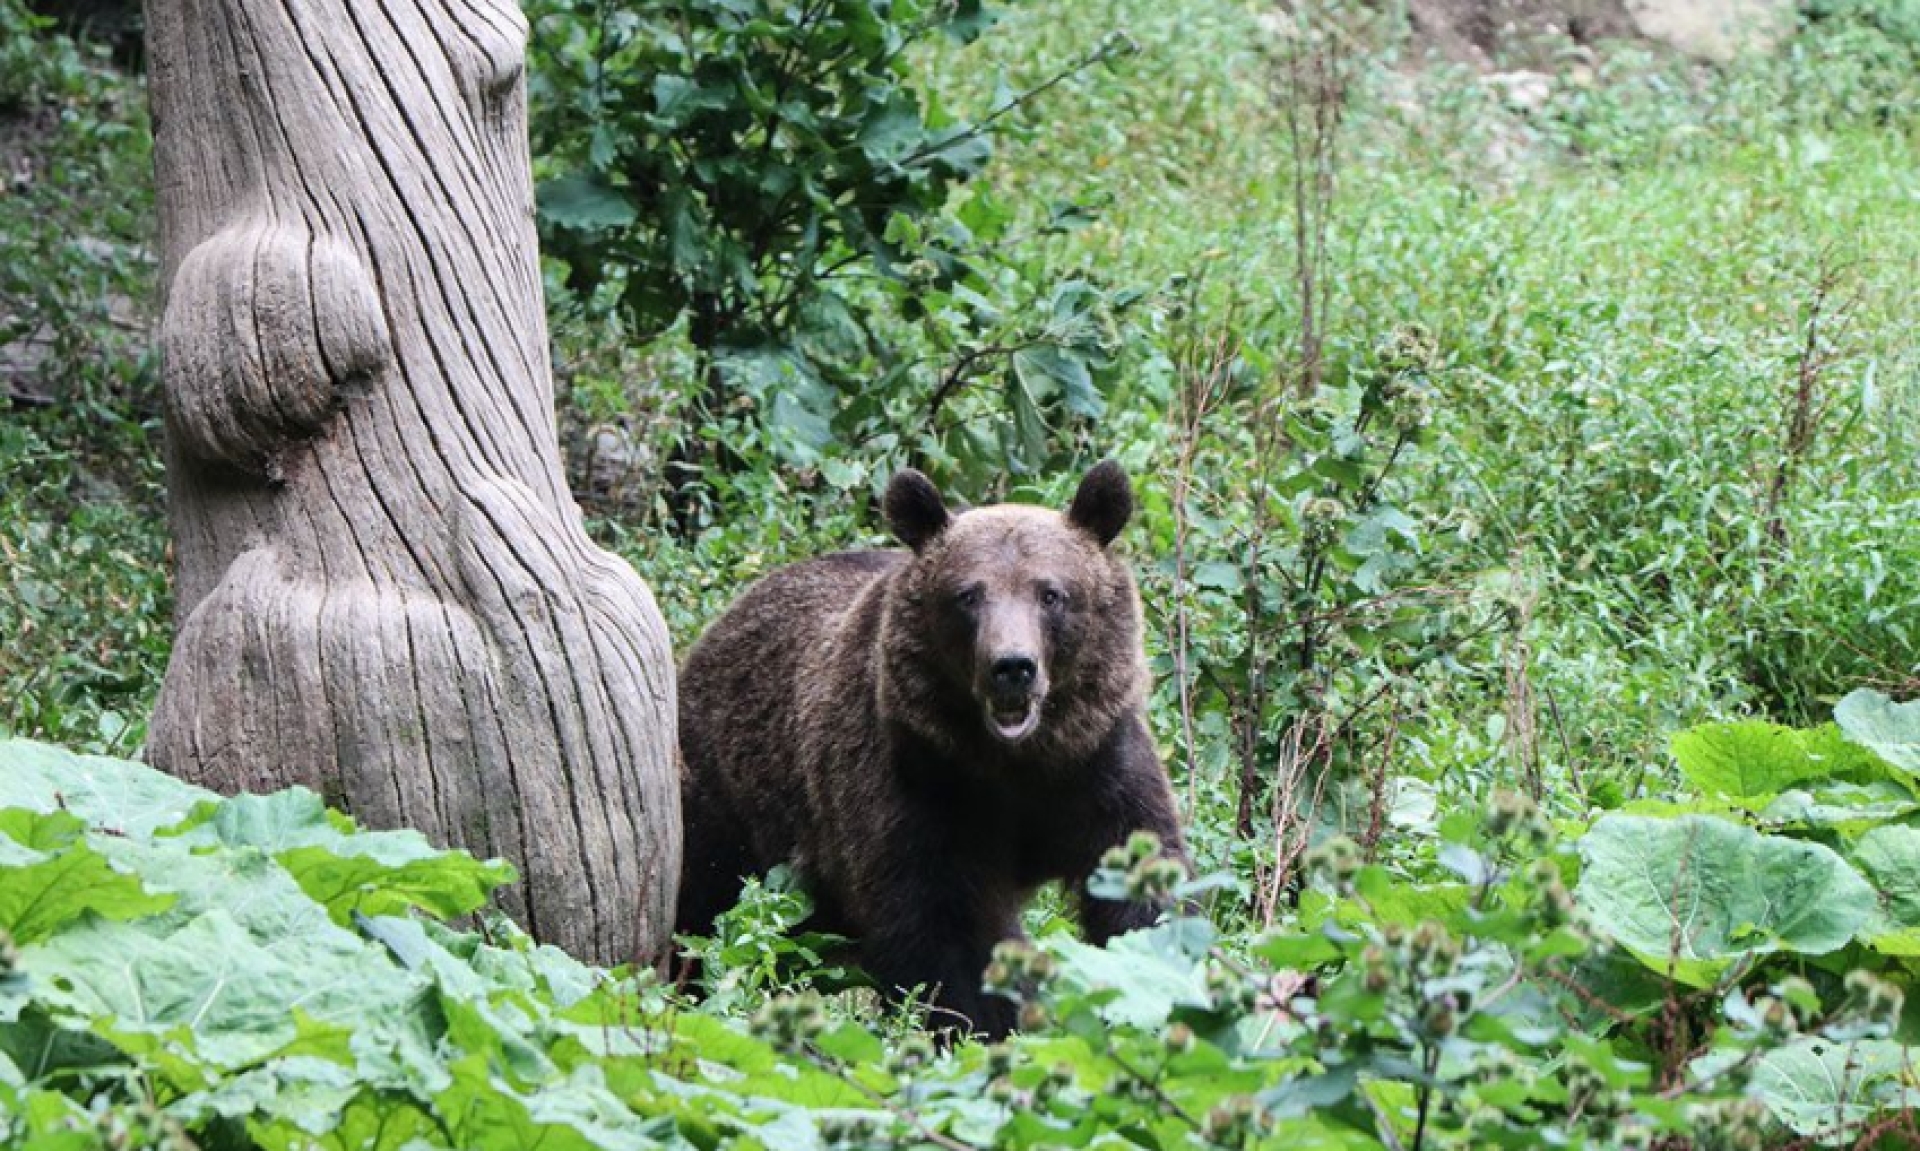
<point x="928" y="736"/>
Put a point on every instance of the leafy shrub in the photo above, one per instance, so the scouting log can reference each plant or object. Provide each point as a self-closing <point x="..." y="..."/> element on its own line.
<point x="76" y="272"/>
<point x="259" y="972"/>
<point x="771" y="176"/>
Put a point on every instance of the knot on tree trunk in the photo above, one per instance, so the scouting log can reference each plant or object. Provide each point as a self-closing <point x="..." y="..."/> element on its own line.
<point x="269" y="330"/>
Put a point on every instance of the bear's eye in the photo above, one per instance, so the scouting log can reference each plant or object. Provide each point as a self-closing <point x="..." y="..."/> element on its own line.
<point x="970" y="598"/>
<point x="1052" y="597"/>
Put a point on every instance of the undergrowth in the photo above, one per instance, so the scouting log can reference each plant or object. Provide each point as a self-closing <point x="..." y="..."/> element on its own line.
<point x="1607" y="437"/>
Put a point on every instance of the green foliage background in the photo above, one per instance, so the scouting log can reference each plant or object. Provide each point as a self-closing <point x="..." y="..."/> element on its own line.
<point x="1522" y="540"/>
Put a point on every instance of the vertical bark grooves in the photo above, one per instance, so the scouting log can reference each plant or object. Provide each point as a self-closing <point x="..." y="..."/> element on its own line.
<point x="385" y="592"/>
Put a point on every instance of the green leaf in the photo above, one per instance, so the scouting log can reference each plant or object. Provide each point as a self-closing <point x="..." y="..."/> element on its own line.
<point x="1218" y="575"/>
<point x="1888" y="729"/>
<point x="1754" y="760"/>
<point x="344" y="869"/>
<point x="111" y="794"/>
<point x="892" y="131"/>
<point x="1847" y="808"/>
<point x="585" y="203"/>
<point x="1151" y="972"/>
<point x="1049" y="370"/>
<point x="54" y="877"/>
<point x="1828" y="1091"/>
<point x="209" y="975"/>
<point x="1699" y="889"/>
<point x="1890" y="859"/>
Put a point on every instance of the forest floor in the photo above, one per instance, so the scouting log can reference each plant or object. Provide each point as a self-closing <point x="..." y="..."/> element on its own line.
<point x="1607" y="496"/>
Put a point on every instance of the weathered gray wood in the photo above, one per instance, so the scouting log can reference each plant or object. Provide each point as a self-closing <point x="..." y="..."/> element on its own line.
<point x="385" y="592"/>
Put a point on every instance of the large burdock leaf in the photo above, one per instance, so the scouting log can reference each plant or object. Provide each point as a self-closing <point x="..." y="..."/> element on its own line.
<point x="1890" y="858"/>
<point x="1888" y="729"/>
<point x="1147" y="973"/>
<point x="1700" y="891"/>
<point x="1755" y="760"/>
<point x="112" y="795"/>
<point x="1829" y="1091"/>
<point x="50" y="877"/>
<point x="343" y="868"/>
<point x="211" y="985"/>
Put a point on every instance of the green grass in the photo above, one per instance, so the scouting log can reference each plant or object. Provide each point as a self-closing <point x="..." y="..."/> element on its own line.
<point x="1621" y="292"/>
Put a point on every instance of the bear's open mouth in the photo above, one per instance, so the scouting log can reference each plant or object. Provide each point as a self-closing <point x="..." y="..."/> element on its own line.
<point x="1013" y="722"/>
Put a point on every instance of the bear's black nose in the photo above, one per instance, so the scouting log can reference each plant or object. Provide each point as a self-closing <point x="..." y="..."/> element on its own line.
<point x="1013" y="673"/>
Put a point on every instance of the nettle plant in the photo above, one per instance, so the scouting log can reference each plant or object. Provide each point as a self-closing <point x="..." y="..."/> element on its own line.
<point x="767" y="179"/>
<point x="1305" y="597"/>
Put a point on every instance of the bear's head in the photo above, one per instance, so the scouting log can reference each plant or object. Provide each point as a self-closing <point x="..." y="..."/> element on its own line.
<point x="1014" y="631"/>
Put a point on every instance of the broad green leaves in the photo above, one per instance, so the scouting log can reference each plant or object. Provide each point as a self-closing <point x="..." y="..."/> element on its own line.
<point x="1828" y="1091"/>
<point x="51" y="878"/>
<point x="107" y="794"/>
<point x="1141" y="978"/>
<point x="1701" y="890"/>
<point x="1890" y="859"/>
<point x="342" y="868"/>
<point x="585" y="204"/>
<point x="772" y="180"/>
<point x="1755" y="761"/>
<point x="266" y="972"/>
<point x="1891" y="730"/>
<point x="1844" y="785"/>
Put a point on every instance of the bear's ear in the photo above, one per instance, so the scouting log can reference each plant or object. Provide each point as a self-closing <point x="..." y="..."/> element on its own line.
<point x="1104" y="503"/>
<point x="914" y="510"/>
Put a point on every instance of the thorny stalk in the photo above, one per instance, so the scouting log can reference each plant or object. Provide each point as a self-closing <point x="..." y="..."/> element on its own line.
<point x="1377" y="789"/>
<point x="1821" y="347"/>
<point x="1268" y="448"/>
<point x="1305" y="754"/>
<point x="1313" y="72"/>
<point x="1203" y="389"/>
<point x="1522" y="734"/>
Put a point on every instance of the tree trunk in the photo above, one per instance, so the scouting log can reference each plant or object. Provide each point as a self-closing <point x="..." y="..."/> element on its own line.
<point x="385" y="592"/>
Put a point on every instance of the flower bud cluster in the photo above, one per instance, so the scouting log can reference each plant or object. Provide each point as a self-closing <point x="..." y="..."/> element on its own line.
<point x="1139" y="847"/>
<point x="1004" y="1091"/>
<point x="1787" y="1010"/>
<point x="1515" y="820"/>
<point x="1149" y="876"/>
<point x="1409" y="349"/>
<point x="910" y="1056"/>
<point x="1335" y="862"/>
<point x="1234" y="1120"/>
<point x="1873" y="999"/>
<point x="1230" y="990"/>
<point x="1404" y="360"/>
<point x="846" y="1130"/>
<point x="141" y="1126"/>
<point x="790" y="1022"/>
<point x="1320" y="519"/>
<point x="1018" y="968"/>
<point x="1557" y="908"/>
<point x="1730" y="1124"/>
<point x="1410" y="962"/>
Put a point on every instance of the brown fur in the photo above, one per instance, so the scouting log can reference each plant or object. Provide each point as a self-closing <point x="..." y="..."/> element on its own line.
<point x="840" y="716"/>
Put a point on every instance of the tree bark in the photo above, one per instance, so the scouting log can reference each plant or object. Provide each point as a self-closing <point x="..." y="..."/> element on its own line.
<point x="384" y="589"/>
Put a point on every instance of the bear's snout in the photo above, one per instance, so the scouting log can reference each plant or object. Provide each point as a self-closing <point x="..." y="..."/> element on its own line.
<point x="1013" y="675"/>
<point x="1015" y="687"/>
